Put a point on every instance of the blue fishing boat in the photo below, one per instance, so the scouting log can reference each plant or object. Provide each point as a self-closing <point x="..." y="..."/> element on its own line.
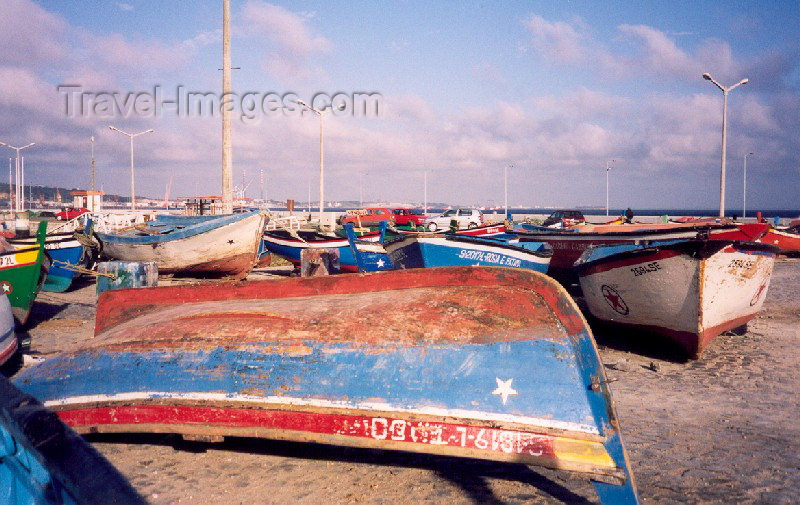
<point x="44" y="462"/>
<point x="331" y="360"/>
<point x="69" y="252"/>
<point x="289" y="244"/>
<point x="205" y="245"/>
<point x="370" y="256"/>
<point x="428" y="250"/>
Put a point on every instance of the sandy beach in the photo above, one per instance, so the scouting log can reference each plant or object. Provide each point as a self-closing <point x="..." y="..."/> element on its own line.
<point x="721" y="429"/>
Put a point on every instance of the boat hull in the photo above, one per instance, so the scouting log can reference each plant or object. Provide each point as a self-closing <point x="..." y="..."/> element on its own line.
<point x="689" y="291"/>
<point x="291" y="248"/>
<point x="8" y="337"/>
<point x="226" y="246"/>
<point x="301" y="359"/>
<point x="22" y="274"/>
<point x="788" y="243"/>
<point x="449" y="251"/>
<point x="569" y="245"/>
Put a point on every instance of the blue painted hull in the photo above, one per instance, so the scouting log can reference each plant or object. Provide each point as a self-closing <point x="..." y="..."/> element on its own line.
<point x="301" y="359"/>
<point x="426" y="251"/>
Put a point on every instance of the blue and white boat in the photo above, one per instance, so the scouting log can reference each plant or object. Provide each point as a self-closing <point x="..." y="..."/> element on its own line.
<point x="370" y="256"/>
<point x="68" y="252"/>
<point x="207" y="245"/>
<point x="290" y="244"/>
<point x="427" y="250"/>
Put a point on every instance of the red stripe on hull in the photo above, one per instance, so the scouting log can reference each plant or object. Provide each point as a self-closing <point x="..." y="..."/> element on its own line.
<point x="787" y="243"/>
<point x="379" y="432"/>
<point x="694" y="343"/>
<point x="9" y="351"/>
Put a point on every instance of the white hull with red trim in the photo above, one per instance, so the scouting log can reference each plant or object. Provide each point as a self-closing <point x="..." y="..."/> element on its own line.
<point x="690" y="291"/>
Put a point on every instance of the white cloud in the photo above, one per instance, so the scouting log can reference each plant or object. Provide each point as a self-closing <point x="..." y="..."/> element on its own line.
<point x="125" y="6"/>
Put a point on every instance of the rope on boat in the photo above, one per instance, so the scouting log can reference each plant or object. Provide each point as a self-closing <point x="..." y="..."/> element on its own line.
<point x="82" y="270"/>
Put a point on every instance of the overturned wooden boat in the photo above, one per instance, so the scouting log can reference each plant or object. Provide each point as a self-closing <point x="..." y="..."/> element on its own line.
<point x="687" y="290"/>
<point x="43" y="462"/>
<point x="204" y="245"/>
<point x="432" y="250"/>
<point x="22" y="273"/>
<point x="495" y="364"/>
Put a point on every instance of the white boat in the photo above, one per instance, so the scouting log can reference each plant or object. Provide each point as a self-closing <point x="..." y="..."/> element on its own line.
<point x="223" y="245"/>
<point x="687" y="290"/>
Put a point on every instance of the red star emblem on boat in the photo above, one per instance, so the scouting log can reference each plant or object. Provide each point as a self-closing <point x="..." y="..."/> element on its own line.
<point x="614" y="299"/>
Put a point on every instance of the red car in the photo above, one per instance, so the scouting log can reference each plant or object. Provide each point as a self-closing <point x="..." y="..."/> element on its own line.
<point x="368" y="217"/>
<point x="408" y="217"/>
<point x="70" y="213"/>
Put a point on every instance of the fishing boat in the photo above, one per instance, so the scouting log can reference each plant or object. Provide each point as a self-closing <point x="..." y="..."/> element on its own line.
<point x="43" y="462"/>
<point x="428" y="250"/>
<point x="687" y="290"/>
<point x="787" y="240"/>
<point x="68" y="254"/>
<point x="569" y="244"/>
<point x="370" y="255"/>
<point x="22" y="273"/>
<point x="8" y="337"/>
<point x="496" y="364"/>
<point x="290" y="244"/>
<point x="194" y="245"/>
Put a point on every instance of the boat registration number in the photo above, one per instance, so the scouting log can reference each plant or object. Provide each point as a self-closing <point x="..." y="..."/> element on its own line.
<point x="646" y="269"/>
<point x="489" y="257"/>
<point x="445" y="434"/>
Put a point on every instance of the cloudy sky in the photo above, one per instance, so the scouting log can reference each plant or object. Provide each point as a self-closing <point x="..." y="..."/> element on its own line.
<point x="553" y="90"/>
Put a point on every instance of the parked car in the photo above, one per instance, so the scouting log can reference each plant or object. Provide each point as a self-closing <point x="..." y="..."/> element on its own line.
<point x="564" y="218"/>
<point x="408" y="217"/>
<point x="70" y="213"/>
<point x="368" y="217"/>
<point x="466" y="218"/>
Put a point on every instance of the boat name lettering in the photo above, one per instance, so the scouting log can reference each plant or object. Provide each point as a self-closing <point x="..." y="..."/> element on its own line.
<point x="737" y="263"/>
<point x="7" y="261"/>
<point x="469" y="437"/>
<point x="489" y="257"/>
<point x="646" y="269"/>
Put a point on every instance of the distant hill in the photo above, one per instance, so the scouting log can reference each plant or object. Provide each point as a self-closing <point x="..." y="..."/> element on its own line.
<point x="49" y="193"/>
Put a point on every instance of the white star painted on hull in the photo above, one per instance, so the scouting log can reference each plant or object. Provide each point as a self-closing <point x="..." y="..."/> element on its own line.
<point x="504" y="389"/>
<point x="381" y="263"/>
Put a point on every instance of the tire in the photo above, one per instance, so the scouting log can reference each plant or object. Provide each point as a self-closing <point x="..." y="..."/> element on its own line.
<point x="432" y="227"/>
<point x="472" y="225"/>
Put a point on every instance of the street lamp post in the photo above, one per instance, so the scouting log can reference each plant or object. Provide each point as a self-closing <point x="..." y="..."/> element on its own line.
<point x="725" y="92"/>
<point x="20" y="176"/>
<point x="744" y="188"/>
<point x="608" y="168"/>
<point x="92" y="141"/>
<point x="319" y="113"/>
<point x="131" y="137"/>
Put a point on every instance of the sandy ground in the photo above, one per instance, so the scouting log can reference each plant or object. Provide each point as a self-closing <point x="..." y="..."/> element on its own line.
<point x="722" y="429"/>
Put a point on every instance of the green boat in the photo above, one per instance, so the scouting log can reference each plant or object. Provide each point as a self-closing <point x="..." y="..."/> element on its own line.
<point x="22" y="273"/>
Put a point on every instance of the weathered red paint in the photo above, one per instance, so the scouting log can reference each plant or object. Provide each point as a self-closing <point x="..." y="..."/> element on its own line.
<point x="116" y="307"/>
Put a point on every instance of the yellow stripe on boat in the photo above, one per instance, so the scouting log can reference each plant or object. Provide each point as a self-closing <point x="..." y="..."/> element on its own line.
<point x="582" y="451"/>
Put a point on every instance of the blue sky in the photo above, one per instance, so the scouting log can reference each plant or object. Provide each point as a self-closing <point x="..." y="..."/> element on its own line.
<point x="552" y="89"/>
